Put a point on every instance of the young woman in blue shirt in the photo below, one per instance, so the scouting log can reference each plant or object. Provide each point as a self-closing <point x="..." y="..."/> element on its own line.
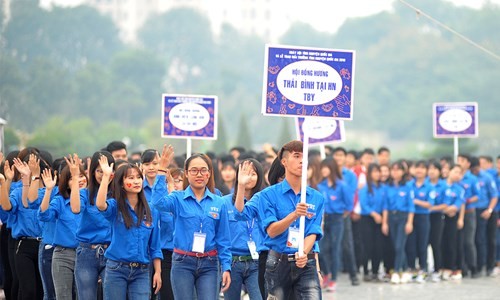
<point x="398" y="219"/>
<point x="202" y="236"/>
<point x="71" y="180"/>
<point x="418" y="240"/>
<point x="245" y="234"/>
<point x="135" y="235"/>
<point x="93" y="234"/>
<point x="338" y="204"/>
<point x="371" y="199"/>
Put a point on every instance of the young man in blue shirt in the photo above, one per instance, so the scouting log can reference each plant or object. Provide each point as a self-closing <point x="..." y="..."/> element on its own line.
<point x="280" y="208"/>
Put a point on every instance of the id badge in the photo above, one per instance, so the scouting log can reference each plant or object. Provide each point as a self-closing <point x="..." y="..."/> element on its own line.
<point x="199" y="242"/>
<point x="293" y="238"/>
<point x="253" y="249"/>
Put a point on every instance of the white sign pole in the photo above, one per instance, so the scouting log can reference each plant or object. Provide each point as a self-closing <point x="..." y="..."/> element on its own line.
<point x="303" y="187"/>
<point x="188" y="147"/>
<point x="322" y="151"/>
<point x="455" y="148"/>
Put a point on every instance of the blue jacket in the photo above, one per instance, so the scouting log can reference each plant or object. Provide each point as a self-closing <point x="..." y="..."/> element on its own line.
<point x="279" y="200"/>
<point x="337" y="200"/>
<point x="136" y="244"/>
<point x="241" y="231"/>
<point x="422" y="193"/>
<point x="487" y="189"/>
<point x="66" y="221"/>
<point x="27" y="224"/>
<point x="399" y="198"/>
<point x="94" y="227"/>
<point x="208" y="216"/>
<point x="372" y="202"/>
<point x="48" y="228"/>
<point x="250" y="212"/>
<point x="471" y="186"/>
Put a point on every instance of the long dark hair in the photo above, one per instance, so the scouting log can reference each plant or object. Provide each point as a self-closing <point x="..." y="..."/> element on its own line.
<point x="64" y="177"/>
<point x="257" y="167"/>
<point x="369" y="180"/>
<point x="208" y="161"/>
<point x="93" y="185"/>
<point x="335" y="174"/>
<point x="142" y="209"/>
<point x="276" y="171"/>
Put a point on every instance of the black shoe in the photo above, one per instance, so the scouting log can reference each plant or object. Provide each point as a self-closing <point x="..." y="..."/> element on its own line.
<point x="475" y="275"/>
<point x="489" y="272"/>
<point x="367" y="278"/>
<point x="355" y="281"/>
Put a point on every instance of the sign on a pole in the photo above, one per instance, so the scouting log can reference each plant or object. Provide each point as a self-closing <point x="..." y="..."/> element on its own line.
<point x="189" y="116"/>
<point x="455" y="119"/>
<point x="321" y="131"/>
<point x="302" y="82"/>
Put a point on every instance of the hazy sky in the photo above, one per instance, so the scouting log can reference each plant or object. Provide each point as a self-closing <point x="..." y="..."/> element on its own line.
<point x="328" y="17"/>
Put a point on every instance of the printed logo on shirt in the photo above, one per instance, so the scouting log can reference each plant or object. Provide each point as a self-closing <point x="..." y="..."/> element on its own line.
<point x="310" y="215"/>
<point x="421" y="194"/>
<point x="465" y="185"/>
<point x="433" y="194"/>
<point x="402" y="194"/>
<point x="333" y="197"/>
<point x="214" y="215"/>
<point x="311" y="206"/>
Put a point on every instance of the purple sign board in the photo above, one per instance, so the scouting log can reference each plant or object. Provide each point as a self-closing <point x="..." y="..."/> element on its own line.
<point x="189" y="116"/>
<point x="321" y="130"/>
<point x="455" y="119"/>
<point x="302" y="82"/>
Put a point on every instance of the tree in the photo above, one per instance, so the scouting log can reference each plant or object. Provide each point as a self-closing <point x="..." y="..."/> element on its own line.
<point x="244" y="138"/>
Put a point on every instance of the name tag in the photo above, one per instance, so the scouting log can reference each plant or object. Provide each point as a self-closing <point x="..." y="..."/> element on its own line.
<point x="199" y="242"/>
<point x="293" y="238"/>
<point x="253" y="249"/>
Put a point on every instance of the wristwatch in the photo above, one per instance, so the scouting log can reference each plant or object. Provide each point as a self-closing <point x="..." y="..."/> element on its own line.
<point x="33" y="178"/>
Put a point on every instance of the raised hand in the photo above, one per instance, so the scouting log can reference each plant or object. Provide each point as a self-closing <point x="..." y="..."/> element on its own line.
<point x="74" y="164"/>
<point x="34" y="164"/>
<point x="8" y="171"/>
<point x="245" y="172"/>
<point x="167" y="154"/>
<point x="22" y="167"/>
<point x="106" y="168"/>
<point x="48" y="180"/>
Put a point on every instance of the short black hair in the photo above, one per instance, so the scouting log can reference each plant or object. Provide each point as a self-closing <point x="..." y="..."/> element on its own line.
<point x="383" y="149"/>
<point x="488" y="158"/>
<point x="474" y="162"/>
<point x="466" y="156"/>
<point x="342" y="149"/>
<point x="368" y="151"/>
<point x="115" y="145"/>
<point x="353" y="153"/>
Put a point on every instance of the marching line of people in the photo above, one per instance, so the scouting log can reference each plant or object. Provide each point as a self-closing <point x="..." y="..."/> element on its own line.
<point x="159" y="226"/>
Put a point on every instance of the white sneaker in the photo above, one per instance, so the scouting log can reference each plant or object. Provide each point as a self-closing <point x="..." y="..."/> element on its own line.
<point x="436" y="277"/>
<point x="406" y="277"/>
<point x="446" y="275"/>
<point x="395" y="278"/>
<point x="420" y="277"/>
<point x="457" y="276"/>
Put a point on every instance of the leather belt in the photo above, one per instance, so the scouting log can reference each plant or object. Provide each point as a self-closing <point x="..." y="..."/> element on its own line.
<point x="196" y="254"/>
<point x="289" y="257"/>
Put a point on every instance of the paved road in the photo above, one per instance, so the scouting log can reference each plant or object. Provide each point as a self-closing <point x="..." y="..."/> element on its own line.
<point x="486" y="288"/>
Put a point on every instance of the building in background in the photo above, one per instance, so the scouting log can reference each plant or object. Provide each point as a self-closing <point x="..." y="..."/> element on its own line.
<point x="265" y="18"/>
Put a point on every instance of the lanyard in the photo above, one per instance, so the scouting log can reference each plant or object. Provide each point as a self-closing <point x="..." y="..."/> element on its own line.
<point x="250" y="228"/>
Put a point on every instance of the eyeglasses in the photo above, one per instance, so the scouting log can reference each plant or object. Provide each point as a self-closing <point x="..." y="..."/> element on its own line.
<point x="177" y="180"/>
<point x="194" y="172"/>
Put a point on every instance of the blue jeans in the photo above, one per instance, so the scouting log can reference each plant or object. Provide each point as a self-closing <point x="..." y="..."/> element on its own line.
<point x="397" y="222"/>
<point x="418" y="240"/>
<point x="331" y="243"/>
<point x="192" y="273"/>
<point x="125" y="282"/>
<point x="284" y="277"/>
<point x="45" y="267"/>
<point x="63" y="269"/>
<point x="244" y="272"/>
<point x="90" y="265"/>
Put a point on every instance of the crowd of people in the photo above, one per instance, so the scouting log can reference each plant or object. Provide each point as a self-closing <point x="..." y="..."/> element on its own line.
<point x="156" y="225"/>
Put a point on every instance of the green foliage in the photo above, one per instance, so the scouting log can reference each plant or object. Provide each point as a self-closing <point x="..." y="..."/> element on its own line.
<point x="11" y="139"/>
<point x="68" y="82"/>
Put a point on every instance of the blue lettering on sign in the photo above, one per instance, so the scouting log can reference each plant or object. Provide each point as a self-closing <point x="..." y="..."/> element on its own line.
<point x="290" y="83"/>
<point x="308" y="97"/>
<point x="307" y="85"/>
